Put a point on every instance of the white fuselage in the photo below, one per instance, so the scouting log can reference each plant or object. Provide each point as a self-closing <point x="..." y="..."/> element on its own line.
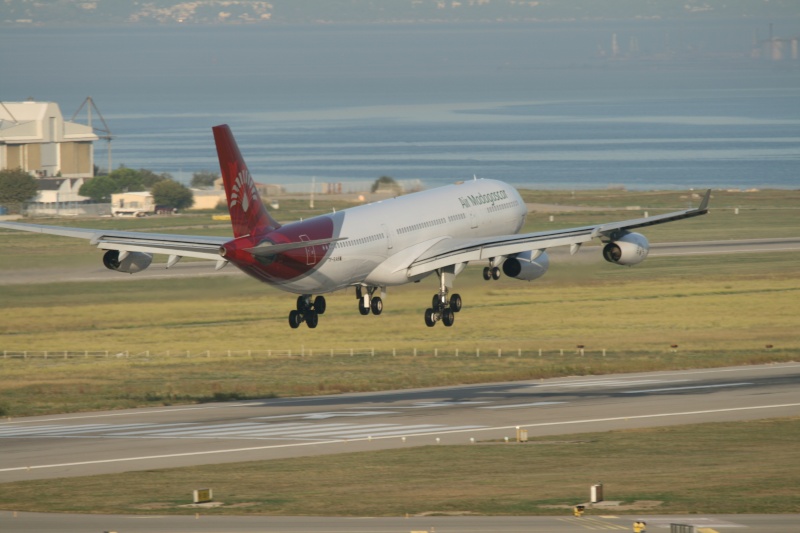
<point x="383" y="238"/>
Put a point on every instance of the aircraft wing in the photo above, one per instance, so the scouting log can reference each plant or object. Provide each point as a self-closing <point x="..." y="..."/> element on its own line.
<point x="131" y="241"/>
<point x="454" y="251"/>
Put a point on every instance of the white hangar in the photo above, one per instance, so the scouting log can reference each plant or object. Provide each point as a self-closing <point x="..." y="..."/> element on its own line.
<point x="35" y="137"/>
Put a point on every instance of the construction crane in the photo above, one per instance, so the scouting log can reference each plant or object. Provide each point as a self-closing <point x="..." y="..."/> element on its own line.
<point x="104" y="132"/>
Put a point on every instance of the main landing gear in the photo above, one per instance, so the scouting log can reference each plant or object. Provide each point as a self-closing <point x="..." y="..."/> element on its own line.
<point x="493" y="271"/>
<point x="442" y="308"/>
<point x="307" y="311"/>
<point x="367" y="302"/>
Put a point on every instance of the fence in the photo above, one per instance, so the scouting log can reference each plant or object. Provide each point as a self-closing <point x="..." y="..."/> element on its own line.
<point x="67" y="209"/>
<point x="302" y="352"/>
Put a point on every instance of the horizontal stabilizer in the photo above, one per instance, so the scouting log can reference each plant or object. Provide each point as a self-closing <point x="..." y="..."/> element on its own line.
<point x="267" y="249"/>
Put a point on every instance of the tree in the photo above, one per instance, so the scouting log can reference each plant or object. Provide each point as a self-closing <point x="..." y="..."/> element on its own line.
<point x="150" y="178"/>
<point x="170" y="193"/>
<point x="99" y="188"/>
<point x="204" y="180"/>
<point x="16" y="188"/>
<point x="386" y="183"/>
<point x="127" y="180"/>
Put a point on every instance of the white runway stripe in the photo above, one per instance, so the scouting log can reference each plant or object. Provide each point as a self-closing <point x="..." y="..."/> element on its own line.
<point x="61" y="430"/>
<point x="254" y="430"/>
<point x="671" y="389"/>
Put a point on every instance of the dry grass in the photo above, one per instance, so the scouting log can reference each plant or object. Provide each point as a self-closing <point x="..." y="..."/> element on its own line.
<point x="724" y="315"/>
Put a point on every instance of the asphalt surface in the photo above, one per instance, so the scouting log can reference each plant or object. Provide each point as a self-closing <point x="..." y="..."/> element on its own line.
<point x="45" y="523"/>
<point x="50" y="447"/>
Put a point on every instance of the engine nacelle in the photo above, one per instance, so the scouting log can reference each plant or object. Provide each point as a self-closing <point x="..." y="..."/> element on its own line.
<point x="130" y="262"/>
<point x="630" y="249"/>
<point x="527" y="265"/>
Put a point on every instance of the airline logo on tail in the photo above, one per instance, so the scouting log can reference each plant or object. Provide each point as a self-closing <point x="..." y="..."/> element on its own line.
<point x="243" y="191"/>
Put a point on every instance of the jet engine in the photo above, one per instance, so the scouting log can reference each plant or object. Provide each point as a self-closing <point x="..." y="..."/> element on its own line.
<point x="130" y="262"/>
<point x="527" y="265"/>
<point x="630" y="249"/>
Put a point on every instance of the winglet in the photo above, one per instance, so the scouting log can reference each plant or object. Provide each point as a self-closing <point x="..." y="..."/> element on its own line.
<point x="704" y="204"/>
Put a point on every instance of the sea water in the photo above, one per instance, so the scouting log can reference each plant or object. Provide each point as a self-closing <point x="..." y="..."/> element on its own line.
<point x="530" y="105"/>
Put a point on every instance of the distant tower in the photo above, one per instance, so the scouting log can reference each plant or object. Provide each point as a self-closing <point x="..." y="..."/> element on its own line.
<point x="633" y="45"/>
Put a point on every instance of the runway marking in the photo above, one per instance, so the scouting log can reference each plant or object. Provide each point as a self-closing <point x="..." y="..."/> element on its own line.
<point x="440" y="431"/>
<point x="517" y="405"/>
<point x="611" y="383"/>
<point x="325" y="415"/>
<point x="670" y="389"/>
<point x="254" y="430"/>
<point x="426" y="405"/>
<point x="48" y="431"/>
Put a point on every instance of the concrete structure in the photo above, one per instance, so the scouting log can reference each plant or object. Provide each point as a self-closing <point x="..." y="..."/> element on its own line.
<point x="35" y="137"/>
<point x="133" y="204"/>
<point x="204" y="199"/>
<point x="57" y="196"/>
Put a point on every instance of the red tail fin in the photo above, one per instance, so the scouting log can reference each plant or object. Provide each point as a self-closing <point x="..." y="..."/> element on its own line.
<point x="249" y="216"/>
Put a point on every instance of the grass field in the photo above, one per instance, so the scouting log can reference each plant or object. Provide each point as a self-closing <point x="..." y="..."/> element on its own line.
<point x="718" y="310"/>
<point x="745" y="467"/>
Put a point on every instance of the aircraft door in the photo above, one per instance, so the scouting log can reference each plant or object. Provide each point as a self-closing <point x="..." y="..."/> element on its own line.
<point x="385" y="230"/>
<point x="311" y="251"/>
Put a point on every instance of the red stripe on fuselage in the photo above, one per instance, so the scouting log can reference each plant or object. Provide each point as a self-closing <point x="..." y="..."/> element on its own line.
<point x="288" y="265"/>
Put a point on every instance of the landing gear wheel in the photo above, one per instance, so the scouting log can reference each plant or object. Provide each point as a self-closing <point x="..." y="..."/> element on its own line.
<point x="320" y="305"/>
<point x="301" y="303"/>
<point x="363" y="309"/>
<point x="487" y="273"/>
<point x="430" y="317"/>
<point x="455" y="303"/>
<point x="377" y="305"/>
<point x="448" y="317"/>
<point x="496" y="273"/>
<point x="295" y="318"/>
<point x="436" y="303"/>
<point x="312" y="319"/>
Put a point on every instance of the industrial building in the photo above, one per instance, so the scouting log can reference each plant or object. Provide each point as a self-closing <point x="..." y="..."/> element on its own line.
<point x="35" y="137"/>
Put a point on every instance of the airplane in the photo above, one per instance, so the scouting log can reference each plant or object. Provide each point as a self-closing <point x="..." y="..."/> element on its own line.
<point x="373" y="246"/>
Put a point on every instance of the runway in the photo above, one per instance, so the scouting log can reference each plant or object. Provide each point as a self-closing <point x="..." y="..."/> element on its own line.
<point x="117" y="441"/>
<point x="106" y="442"/>
<point x="45" y="523"/>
